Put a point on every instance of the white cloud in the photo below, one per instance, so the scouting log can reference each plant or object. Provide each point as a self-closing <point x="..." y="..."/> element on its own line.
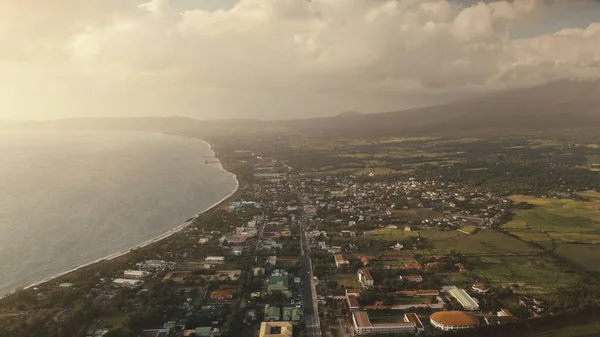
<point x="273" y="58"/>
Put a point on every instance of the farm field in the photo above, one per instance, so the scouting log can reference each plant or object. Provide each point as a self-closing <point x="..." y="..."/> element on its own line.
<point x="589" y="329"/>
<point x="585" y="256"/>
<point x="532" y="271"/>
<point x="482" y="242"/>
<point x="558" y="215"/>
<point x="570" y="227"/>
<point x="468" y="229"/>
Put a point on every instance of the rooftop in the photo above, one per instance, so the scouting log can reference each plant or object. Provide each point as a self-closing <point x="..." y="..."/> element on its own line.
<point x="275" y="329"/>
<point x="362" y="319"/>
<point x="353" y="301"/>
<point x="455" y="318"/>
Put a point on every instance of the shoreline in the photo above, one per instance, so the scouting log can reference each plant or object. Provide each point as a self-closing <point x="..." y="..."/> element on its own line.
<point x="148" y="242"/>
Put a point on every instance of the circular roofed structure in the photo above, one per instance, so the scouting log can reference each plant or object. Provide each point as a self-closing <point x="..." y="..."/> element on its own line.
<point x="454" y="320"/>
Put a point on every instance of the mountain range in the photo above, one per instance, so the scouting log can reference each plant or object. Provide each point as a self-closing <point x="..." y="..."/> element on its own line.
<point x="554" y="106"/>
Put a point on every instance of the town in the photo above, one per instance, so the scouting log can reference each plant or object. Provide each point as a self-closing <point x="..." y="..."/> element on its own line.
<point x="302" y="253"/>
<point x="365" y="244"/>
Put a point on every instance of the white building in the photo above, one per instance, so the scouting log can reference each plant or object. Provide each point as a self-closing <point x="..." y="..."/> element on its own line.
<point x="364" y="326"/>
<point x="135" y="274"/>
<point x="365" y="278"/>
<point x="468" y="302"/>
<point x="214" y="259"/>
<point x="412" y="278"/>
<point x="152" y="264"/>
<point x="124" y="282"/>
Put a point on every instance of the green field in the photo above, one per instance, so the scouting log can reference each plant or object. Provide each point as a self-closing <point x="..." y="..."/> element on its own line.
<point x="346" y="280"/>
<point x="573" y="227"/>
<point x="558" y="215"/>
<point x="113" y="321"/>
<point x="482" y="242"/>
<point x="391" y="234"/>
<point x="585" y="256"/>
<point x="584" y="329"/>
<point x="534" y="271"/>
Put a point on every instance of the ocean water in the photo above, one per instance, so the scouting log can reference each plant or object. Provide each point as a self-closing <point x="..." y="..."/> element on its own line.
<point x="68" y="198"/>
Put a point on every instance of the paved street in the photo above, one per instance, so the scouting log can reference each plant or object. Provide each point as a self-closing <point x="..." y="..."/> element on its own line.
<point x="311" y="306"/>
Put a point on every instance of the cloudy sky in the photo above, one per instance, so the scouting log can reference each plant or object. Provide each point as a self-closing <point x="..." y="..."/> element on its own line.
<point x="281" y="58"/>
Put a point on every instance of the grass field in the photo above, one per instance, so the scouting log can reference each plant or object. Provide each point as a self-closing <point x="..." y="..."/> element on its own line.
<point x="346" y="280"/>
<point x="391" y="234"/>
<point x="112" y="321"/>
<point x="535" y="271"/>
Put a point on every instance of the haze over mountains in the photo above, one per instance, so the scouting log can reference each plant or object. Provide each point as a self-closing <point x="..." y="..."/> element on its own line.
<point x="558" y="105"/>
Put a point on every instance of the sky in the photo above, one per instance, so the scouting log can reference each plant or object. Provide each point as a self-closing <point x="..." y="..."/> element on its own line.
<point x="275" y="59"/>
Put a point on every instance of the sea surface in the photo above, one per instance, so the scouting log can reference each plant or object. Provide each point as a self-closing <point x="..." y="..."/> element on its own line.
<point x="68" y="198"/>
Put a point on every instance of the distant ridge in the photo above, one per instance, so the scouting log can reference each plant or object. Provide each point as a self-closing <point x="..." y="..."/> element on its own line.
<point x="555" y="106"/>
<point x="558" y="105"/>
<point x="349" y="114"/>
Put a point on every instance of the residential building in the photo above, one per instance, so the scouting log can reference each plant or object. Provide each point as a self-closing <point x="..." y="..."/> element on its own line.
<point x="205" y="331"/>
<point x="237" y="251"/>
<point x="291" y="314"/>
<point x="348" y="233"/>
<point x="278" y="283"/>
<point x="155" y="333"/>
<point x="272" y="313"/>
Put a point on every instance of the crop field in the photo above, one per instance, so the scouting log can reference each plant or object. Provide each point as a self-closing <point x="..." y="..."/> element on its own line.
<point x="563" y="220"/>
<point x="585" y="256"/>
<point x="468" y="229"/>
<point x="532" y="236"/>
<point x="515" y="224"/>
<point x="482" y="242"/>
<point x="588" y="329"/>
<point x="533" y="271"/>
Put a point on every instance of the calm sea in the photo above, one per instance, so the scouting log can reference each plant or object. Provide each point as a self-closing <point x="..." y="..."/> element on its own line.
<point x="68" y="198"/>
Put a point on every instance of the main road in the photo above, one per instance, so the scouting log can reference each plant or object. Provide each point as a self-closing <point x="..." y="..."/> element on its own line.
<point x="311" y="305"/>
